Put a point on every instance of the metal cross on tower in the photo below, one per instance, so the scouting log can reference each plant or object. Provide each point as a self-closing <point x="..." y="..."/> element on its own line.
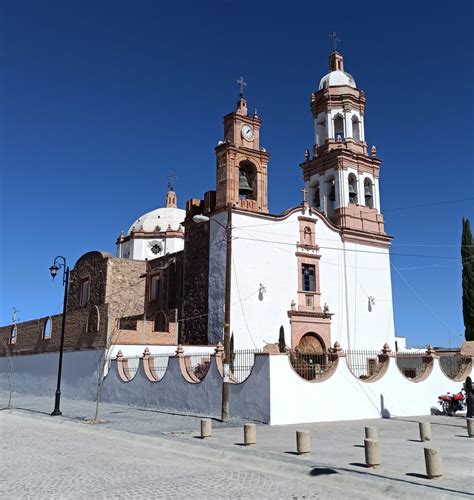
<point x="335" y="39"/>
<point x="171" y="179"/>
<point x="242" y="84"/>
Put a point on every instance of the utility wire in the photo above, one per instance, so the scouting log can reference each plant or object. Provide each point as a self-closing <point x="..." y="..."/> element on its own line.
<point x="353" y="250"/>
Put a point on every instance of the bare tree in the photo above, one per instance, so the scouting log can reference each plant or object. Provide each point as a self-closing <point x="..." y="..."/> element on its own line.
<point x="9" y="373"/>
<point x="111" y="337"/>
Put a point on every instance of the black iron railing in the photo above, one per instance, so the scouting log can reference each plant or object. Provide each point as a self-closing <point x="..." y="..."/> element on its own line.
<point x="311" y="366"/>
<point x="241" y="364"/>
<point x="412" y="364"/>
<point x="363" y="364"/>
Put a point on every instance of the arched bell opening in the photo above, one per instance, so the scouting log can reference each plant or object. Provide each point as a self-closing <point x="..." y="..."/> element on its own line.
<point x="321" y="132"/>
<point x="339" y="127"/>
<point x="352" y="185"/>
<point x="247" y="181"/>
<point x="331" y="198"/>
<point x="368" y="193"/>
<point x="316" y="196"/>
<point x="356" y="128"/>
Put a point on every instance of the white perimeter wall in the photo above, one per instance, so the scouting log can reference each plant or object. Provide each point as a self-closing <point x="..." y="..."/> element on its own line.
<point x="264" y="253"/>
<point x="345" y="397"/>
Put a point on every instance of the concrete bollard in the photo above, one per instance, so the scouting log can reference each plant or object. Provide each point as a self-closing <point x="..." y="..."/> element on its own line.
<point x="371" y="433"/>
<point x="470" y="427"/>
<point x="206" y="427"/>
<point x="434" y="463"/>
<point x="250" y="434"/>
<point x="372" y="453"/>
<point x="303" y="442"/>
<point x="425" y="431"/>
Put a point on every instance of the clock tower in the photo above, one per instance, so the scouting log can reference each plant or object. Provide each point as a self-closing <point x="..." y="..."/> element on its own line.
<point x="241" y="163"/>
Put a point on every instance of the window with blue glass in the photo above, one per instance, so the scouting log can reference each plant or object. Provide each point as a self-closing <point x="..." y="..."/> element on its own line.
<point x="308" y="280"/>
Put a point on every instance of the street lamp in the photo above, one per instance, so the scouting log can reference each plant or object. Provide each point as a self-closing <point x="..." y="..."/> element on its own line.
<point x="228" y="276"/>
<point x="60" y="262"/>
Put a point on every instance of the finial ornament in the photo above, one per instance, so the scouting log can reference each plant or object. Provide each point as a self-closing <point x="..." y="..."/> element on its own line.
<point x="242" y="84"/>
<point x="335" y="39"/>
<point x="306" y="154"/>
<point x="373" y="152"/>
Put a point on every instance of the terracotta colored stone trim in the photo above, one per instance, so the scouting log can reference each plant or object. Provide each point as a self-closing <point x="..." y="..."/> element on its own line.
<point x="122" y="365"/>
<point x="183" y="364"/>
<point x="147" y="366"/>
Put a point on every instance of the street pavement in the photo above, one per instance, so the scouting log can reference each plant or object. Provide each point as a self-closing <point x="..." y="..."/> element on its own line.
<point x="141" y="453"/>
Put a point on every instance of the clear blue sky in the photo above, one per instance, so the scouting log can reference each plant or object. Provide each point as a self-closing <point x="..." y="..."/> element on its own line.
<point x="102" y="99"/>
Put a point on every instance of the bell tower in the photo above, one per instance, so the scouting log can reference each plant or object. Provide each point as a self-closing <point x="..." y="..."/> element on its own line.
<point x="341" y="177"/>
<point x="241" y="164"/>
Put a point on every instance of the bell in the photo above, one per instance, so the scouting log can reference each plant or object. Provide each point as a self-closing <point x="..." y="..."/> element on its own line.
<point x="352" y="191"/>
<point x="367" y="191"/>
<point x="244" y="186"/>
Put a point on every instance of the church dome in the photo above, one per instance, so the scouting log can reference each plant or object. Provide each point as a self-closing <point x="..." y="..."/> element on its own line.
<point x="336" y="78"/>
<point x="161" y="219"/>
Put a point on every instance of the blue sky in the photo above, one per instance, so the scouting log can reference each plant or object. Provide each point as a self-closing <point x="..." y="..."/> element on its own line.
<point x="102" y="99"/>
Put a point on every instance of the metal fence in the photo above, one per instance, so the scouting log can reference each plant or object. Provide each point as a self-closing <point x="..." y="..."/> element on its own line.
<point x="241" y="364"/>
<point x="363" y="364"/>
<point x="198" y="364"/>
<point x="454" y="365"/>
<point x="412" y="365"/>
<point x="159" y="365"/>
<point x="310" y="366"/>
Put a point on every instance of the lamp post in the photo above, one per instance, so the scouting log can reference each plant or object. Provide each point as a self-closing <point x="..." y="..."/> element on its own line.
<point x="60" y="262"/>
<point x="228" y="277"/>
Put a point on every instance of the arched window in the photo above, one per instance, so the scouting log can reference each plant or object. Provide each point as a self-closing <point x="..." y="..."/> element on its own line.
<point x="93" y="320"/>
<point x="47" y="329"/>
<point x="368" y="193"/>
<point x="352" y="184"/>
<point x="247" y="181"/>
<point x="339" y="127"/>
<point x="316" y="196"/>
<point x="355" y="128"/>
<point x="13" y="334"/>
<point x="161" y="322"/>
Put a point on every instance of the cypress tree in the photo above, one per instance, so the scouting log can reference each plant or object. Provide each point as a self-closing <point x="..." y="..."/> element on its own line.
<point x="232" y="352"/>
<point x="467" y="254"/>
<point x="281" y="340"/>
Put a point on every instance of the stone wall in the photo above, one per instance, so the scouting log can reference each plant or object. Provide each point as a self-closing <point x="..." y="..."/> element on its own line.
<point x="92" y="265"/>
<point x="193" y="327"/>
<point x="80" y="333"/>
<point x="125" y="288"/>
<point x="166" y="309"/>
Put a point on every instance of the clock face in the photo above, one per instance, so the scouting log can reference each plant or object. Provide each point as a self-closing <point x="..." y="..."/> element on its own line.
<point x="247" y="132"/>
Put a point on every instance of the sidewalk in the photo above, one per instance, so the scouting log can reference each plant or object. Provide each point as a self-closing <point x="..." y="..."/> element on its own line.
<point x="337" y="456"/>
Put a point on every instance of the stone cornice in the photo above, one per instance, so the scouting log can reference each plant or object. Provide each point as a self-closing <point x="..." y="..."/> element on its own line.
<point x="341" y="159"/>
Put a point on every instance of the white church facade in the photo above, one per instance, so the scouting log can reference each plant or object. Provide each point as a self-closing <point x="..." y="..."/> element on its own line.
<point x="321" y="270"/>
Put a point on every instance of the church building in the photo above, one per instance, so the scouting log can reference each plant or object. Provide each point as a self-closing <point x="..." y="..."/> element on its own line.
<point x="320" y="270"/>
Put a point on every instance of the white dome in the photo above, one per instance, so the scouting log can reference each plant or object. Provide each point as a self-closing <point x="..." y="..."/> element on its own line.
<point x="335" y="78"/>
<point x="159" y="220"/>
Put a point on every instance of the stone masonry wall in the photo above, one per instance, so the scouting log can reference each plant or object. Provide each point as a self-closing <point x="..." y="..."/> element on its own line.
<point x="79" y="334"/>
<point x="193" y="327"/>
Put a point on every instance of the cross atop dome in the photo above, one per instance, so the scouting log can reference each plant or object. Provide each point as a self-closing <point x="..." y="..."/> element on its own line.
<point x="335" y="39"/>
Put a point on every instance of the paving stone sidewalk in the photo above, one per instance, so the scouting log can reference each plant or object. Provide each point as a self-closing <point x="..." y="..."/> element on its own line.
<point x="140" y="453"/>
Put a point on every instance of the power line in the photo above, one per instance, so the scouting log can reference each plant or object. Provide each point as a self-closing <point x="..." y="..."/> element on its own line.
<point x="428" y="204"/>
<point x="354" y="250"/>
